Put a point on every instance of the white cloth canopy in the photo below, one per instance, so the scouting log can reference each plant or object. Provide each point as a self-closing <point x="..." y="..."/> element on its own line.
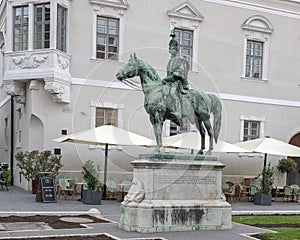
<point x="192" y="140"/>
<point x="107" y="134"/>
<point x="270" y="146"/>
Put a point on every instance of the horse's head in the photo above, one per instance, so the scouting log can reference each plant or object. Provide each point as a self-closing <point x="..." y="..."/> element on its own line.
<point x="130" y="69"/>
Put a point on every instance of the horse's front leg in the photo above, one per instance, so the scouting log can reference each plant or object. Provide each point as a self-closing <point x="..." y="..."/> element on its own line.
<point x="157" y="125"/>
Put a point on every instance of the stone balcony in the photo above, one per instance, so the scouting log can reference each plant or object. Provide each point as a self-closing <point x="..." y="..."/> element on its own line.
<point x="49" y="65"/>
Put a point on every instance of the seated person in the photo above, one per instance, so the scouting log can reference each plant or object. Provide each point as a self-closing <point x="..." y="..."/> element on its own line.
<point x="5" y="178"/>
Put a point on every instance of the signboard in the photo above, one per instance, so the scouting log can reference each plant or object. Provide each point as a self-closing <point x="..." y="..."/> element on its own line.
<point x="48" y="189"/>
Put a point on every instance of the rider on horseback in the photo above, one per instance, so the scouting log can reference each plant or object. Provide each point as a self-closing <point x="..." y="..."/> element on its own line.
<point x="176" y="82"/>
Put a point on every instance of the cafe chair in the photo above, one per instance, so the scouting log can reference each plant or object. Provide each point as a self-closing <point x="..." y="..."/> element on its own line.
<point x="252" y="190"/>
<point x="230" y="194"/>
<point x="5" y="179"/>
<point x="287" y="193"/>
<point x="123" y="189"/>
<point x="240" y="191"/>
<point x="65" y="188"/>
<point x="111" y="189"/>
<point x="225" y="187"/>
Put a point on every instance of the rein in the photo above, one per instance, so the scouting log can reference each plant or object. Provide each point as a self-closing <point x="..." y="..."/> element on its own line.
<point x="131" y="83"/>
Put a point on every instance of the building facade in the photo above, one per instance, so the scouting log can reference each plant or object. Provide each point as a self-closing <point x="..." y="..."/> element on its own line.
<point x="59" y="60"/>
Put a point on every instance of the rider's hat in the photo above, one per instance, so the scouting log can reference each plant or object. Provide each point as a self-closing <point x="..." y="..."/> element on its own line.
<point x="172" y="33"/>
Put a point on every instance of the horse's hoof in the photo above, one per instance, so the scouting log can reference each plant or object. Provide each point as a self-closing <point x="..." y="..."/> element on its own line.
<point x="156" y="150"/>
<point x="208" y="153"/>
<point x="200" y="152"/>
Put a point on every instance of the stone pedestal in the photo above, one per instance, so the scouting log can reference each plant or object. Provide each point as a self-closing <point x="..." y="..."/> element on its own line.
<point x="175" y="192"/>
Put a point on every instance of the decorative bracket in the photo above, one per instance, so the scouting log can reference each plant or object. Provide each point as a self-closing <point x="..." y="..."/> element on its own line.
<point x="60" y="92"/>
<point x="17" y="90"/>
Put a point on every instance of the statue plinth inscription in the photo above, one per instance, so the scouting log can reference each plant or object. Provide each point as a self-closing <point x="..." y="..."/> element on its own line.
<point x="169" y="179"/>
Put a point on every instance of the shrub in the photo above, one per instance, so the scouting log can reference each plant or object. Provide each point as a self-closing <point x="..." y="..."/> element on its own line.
<point x="286" y="165"/>
<point x="31" y="163"/>
<point x="91" y="175"/>
<point x="267" y="179"/>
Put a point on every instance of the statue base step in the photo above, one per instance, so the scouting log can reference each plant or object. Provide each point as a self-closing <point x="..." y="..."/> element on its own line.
<point x="167" y="216"/>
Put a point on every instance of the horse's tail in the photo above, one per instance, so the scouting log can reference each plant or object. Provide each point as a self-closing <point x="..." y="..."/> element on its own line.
<point x="216" y="109"/>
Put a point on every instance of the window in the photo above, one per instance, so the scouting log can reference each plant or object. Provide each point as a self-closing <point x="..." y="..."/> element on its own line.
<point x="42" y="26"/>
<point x="186" y="19"/>
<point x="257" y="35"/>
<point x="106" y="116"/>
<point x="175" y="129"/>
<point x="254" y="59"/>
<point x="252" y="127"/>
<point x="6" y="132"/>
<point x="107" y="38"/>
<point x="185" y="40"/>
<point x="19" y="126"/>
<point x="61" y="28"/>
<point x="20" y="29"/>
<point x="251" y="130"/>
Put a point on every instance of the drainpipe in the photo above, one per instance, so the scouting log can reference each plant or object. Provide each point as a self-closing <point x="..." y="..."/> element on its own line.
<point x="12" y="146"/>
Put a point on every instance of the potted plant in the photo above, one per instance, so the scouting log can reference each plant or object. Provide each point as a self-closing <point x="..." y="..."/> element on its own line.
<point x="33" y="162"/>
<point x="264" y="196"/>
<point x="286" y="165"/>
<point x="91" y="176"/>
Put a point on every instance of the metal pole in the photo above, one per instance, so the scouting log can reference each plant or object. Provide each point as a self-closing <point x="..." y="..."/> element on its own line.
<point x="265" y="159"/>
<point x="105" y="171"/>
<point x="12" y="146"/>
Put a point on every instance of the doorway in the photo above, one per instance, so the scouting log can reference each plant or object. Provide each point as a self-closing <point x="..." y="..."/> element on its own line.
<point x="294" y="177"/>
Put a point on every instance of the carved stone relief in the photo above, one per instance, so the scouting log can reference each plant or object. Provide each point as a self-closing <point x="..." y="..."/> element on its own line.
<point x="29" y="61"/>
<point x="136" y="192"/>
<point x="62" y="62"/>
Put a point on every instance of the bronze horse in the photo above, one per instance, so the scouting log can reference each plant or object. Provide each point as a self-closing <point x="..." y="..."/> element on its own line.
<point x="156" y="105"/>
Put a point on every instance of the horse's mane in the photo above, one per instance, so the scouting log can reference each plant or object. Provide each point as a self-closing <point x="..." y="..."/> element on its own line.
<point x="150" y="71"/>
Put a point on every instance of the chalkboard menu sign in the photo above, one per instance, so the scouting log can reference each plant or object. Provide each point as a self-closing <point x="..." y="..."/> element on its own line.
<point x="48" y="189"/>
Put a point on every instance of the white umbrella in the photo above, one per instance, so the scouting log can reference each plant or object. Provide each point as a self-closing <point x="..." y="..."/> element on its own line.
<point x="192" y="140"/>
<point x="272" y="146"/>
<point x="106" y="135"/>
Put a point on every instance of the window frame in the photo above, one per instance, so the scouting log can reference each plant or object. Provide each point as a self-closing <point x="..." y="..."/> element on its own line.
<point x="118" y="107"/>
<point x="109" y="9"/>
<point x="61" y="28"/>
<point x="106" y="119"/>
<point x="179" y="32"/>
<point x="260" y="120"/>
<point x="249" y="127"/>
<point x="252" y="58"/>
<point x="19" y="117"/>
<point x="22" y="31"/>
<point x="43" y="23"/>
<point x="6" y="132"/>
<point x="107" y="36"/>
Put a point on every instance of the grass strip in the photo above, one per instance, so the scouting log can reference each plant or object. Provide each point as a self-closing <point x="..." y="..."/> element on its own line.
<point x="282" y="233"/>
<point x="254" y="220"/>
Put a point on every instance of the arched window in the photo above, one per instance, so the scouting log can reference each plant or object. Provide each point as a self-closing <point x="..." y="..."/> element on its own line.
<point x="257" y="33"/>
